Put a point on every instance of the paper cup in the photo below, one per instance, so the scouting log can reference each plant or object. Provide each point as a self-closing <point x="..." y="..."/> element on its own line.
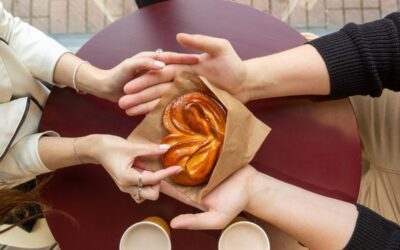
<point x="243" y="235"/>
<point x="151" y="233"/>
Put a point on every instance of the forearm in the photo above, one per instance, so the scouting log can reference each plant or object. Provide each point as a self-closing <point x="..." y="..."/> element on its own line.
<point x="88" y="77"/>
<point x="357" y="60"/>
<point x="299" y="71"/>
<point x="316" y="221"/>
<point x="363" y="59"/>
<point x="57" y="153"/>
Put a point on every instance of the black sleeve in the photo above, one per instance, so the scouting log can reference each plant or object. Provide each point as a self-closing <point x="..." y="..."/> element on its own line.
<point x="363" y="59"/>
<point x="372" y="231"/>
<point x="144" y="3"/>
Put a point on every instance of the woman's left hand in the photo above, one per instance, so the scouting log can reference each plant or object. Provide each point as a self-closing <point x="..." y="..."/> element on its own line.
<point x="112" y="81"/>
<point x="121" y="159"/>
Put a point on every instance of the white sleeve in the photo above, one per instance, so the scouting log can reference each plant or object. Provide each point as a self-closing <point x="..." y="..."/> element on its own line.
<point x="38" y="52"/>
<point x="23" y="159"/>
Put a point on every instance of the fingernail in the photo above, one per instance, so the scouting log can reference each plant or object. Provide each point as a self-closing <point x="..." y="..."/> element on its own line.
<point x="159" y="64"/>
<point x="178" y="170"/>
<point x="164" y="146"/>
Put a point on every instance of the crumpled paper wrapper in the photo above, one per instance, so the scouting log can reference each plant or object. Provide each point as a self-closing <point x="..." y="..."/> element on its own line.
<point x="244" y="134"/>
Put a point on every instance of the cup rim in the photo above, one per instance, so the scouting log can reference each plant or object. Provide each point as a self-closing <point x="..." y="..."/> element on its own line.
<point x="249" y="223"/>
<point x="137" y="224"/>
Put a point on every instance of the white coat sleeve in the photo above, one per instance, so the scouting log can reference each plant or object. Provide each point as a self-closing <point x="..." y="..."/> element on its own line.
<point x="38" y="52"/>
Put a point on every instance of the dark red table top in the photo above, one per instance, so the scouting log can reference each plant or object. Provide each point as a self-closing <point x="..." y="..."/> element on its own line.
<point x="314" y="142"/>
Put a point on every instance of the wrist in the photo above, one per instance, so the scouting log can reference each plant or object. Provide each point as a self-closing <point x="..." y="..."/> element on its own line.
<point x="252" y="84"/>
<point x="259" y="83"/>
<point x="85" y="149"/>
<point x="240" y="90"/>
<point x="261" y="191"/>
<point x="89" y="79"/>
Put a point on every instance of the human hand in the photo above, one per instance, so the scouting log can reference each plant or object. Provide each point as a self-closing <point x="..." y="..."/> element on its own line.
<point x="120" y="158"/>
<point x="112" y="81"/>
<point x="222" y="204"/>
<point x="219" y="63"/>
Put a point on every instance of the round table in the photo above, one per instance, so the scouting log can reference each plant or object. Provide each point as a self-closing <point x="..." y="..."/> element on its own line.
<point x="314" y="142"/>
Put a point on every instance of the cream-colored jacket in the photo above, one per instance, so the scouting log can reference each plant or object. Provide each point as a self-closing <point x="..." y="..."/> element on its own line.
<point x="26" y="55"/>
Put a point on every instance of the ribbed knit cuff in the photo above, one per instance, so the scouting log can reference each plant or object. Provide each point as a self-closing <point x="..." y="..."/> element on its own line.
<point x="372" y="231"/>
<point x="362" y="59"/>
<point x="343" y="62"/>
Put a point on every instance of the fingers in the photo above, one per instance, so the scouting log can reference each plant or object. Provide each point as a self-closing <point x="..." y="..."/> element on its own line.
<point x="147" y="95"/>
<point x="147" y="193"/>
<point x="208" y="44"/>
<point x="138" y="200"/>
<point x="170" y="57"/>
<point x="177" y="58"/>
<point x="147" y="177"/>
<point x="151" y="178"/>
<point x="167" y="74"/>
<point x="136" y="65"/>
<point x="150" y="181"/>
<point x="200" y="221"/>
<point x="142" y="108"/>
<point x="149" y="149"/>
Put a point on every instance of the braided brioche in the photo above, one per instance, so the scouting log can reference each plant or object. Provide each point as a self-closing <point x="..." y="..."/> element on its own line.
<point x="196" y="125"/>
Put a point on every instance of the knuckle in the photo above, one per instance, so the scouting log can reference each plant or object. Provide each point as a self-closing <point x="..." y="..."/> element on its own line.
<point x="141" y="54"/>
<point x="121" y="188"/>
<point x="122" y="103"/>
<point x="124" y="181"/>
<point x="140" y="97"/>
<point x="146" y="61"/>
<point x="224" y="43"/>
<point x="153" y="196"/>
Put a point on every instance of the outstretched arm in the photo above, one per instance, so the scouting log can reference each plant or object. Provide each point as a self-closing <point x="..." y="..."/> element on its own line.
<point x="316" y="221"/>
<point x="357" y="60"/>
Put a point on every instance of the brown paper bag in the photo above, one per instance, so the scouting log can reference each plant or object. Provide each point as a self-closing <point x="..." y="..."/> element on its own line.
<point x="244" y="133"/>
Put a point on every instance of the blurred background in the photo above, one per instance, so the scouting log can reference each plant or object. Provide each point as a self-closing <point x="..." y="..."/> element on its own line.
<point x="73" y="22"/>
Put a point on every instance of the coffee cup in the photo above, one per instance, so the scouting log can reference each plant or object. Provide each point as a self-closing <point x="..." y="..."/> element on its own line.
<point x="243" y="235"/>
<point x="152" y="233"/>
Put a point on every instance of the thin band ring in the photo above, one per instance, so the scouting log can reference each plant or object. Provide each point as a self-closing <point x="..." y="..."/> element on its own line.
<point x="139" y="187"/>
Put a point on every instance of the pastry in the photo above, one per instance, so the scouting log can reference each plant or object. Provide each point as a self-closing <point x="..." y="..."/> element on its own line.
<point x="196" y="125"/>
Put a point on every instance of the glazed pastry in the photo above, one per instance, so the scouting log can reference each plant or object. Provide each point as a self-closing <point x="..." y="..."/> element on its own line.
<point x="196" y="123"/>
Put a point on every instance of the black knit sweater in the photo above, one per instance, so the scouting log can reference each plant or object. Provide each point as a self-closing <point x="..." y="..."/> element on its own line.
<point x="363" y="60"/>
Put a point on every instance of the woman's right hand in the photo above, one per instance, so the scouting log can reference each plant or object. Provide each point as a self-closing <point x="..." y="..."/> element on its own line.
<point x="120" y="158"/>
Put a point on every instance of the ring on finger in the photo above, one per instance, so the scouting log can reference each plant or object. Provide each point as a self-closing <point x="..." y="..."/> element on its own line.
<point x="139" y="186"/>
<point x="158" y="52"/>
